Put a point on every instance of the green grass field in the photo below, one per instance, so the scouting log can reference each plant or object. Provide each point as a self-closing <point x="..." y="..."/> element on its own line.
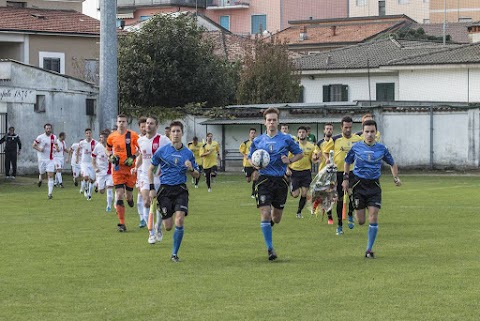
<point x="64" y="260"/>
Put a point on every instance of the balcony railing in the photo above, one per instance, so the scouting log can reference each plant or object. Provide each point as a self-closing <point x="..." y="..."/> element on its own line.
<point x="138" y="3"/>
<point x="227" y="4"/>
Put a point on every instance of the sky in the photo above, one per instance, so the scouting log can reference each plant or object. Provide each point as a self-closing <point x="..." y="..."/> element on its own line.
<point x="90" y="8"/>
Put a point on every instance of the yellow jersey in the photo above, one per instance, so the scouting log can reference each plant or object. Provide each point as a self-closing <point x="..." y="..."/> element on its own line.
<point x="304" y="163"/>
<point x="245" y="149"/>
<point x="196" y="151"/>
<point x="341" y="145"/>
<point x="210" y="160"/>
<point x="321" y="147"/>
<point x="377" y="136"/>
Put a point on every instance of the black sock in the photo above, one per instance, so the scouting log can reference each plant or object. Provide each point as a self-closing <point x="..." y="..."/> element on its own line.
<point x="301" y="204"/>
<point x="253" y="187"/>
<point x="208" y="177"/>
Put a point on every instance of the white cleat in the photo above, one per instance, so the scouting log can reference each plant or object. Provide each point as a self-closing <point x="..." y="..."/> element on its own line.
<point x="159" y="235"/>
<point x="152" y="239"/>
<point x="209" y="190"/>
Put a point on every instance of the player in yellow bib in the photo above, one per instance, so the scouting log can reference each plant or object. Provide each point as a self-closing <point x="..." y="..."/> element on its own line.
<point x="210" y="153"/>
<point x="341" y="144"/>
<point x="195" y="147"/>
<point x="365" y="118"/>
<point x="250" y="172"/>
<point x="301" y="170"/>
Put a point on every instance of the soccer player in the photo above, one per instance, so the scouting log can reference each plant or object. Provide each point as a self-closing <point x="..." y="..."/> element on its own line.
<point x="167" y="131"/>
<point x="85" y="149"/>
<point x="46" y="144"/>
<point x="142" y="125"/>
<point x="272" y="186"/>
<point x="72" y="153"/>
<point x="149" y="144"/>
<point x="11" y="153"/>
<point x="103" y="169"/>
<point x="250" y="173"/>
<point x="210" y="153"/>
<point x="195" y="147"/>
<point x="285" y="128"/>
<point x="323" y="154"/>
<point x="59" y="159"/>
<point x="174" y="160"/>
<point x="301" y="170"/>
<point x="368" y="156"/>
<point x="341" y="144"/>
<point x="366" y="117"/>
<point x="122" y="149"/>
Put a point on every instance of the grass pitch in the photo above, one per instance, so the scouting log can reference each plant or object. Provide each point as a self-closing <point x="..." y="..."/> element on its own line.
<point x="64" y="260"/>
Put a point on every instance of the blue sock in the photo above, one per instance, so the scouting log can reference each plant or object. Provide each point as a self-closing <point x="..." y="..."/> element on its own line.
<point x="177" y="239"/>
<point x="372" y="234"/>
<point x="267" y="233"/>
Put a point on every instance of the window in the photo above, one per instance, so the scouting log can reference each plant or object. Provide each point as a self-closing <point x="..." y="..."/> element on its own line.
<point x="225" y="22"/>
<point x="335" y="93"/>
<point x="91" y="107"/>
<point x="54" y="61"/>
<point x="259" y="23"/>
<point x="403" y="1"/>
<point x="361" y="3"/>
<point x="385" y="92"/>
<point x="16" y="4"/>
<point x="39" y="106"/>
<point x="381" y="8"/>
<point x="52" y="64"/>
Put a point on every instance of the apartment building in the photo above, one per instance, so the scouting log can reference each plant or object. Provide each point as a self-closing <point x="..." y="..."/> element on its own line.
<point x="44" y="4"/>
<point x="418" y="10"/>
<point x="454" y="10"/>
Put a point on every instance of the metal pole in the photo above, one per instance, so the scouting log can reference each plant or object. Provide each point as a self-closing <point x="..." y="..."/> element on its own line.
<point x="108" y="64"/>
<point x="431" y="137"/>
<point x="444" y="22"/>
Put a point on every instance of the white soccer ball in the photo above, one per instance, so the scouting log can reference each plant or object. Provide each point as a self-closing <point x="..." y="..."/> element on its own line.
<point x="260" y="158"/>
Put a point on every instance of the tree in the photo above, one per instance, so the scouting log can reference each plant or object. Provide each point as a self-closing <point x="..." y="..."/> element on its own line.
<point x="168" y="64"/>
<point x="268" y="76"/>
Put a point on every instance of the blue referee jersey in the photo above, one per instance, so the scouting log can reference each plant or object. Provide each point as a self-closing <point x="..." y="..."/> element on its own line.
<point x="368" y="159"/>
<point x="276" y="146"/>
<point x="172" y="164"/>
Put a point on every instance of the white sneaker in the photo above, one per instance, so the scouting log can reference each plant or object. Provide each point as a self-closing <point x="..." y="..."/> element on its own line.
<point x="196" y="186"/>
<point x="209" y="190"/>
<point x="152" y="239"/>
<point x="159" y="235"/>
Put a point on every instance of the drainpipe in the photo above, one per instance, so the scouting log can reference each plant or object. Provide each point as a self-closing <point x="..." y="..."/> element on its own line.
<point x="431" y="137"/>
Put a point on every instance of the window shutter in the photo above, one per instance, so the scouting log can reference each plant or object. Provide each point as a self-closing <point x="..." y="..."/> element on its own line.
<point x="326" y="94"/>
<point x="344" y="93"/>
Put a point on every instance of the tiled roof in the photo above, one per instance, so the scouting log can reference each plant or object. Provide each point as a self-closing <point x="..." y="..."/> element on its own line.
<point x="368" y="55"/>
<point x="48" y="21"/>
<point x="466" y="54"/>
<point x="457" y="30"/>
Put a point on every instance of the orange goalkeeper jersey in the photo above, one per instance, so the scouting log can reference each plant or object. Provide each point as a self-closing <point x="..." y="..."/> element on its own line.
<point x="123" y="145"/>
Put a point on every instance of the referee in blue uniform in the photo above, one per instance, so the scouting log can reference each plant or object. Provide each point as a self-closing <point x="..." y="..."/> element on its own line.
<point x="175" y="161"/>
<point x="368" y="156"/>
<point x="272" y="185"/>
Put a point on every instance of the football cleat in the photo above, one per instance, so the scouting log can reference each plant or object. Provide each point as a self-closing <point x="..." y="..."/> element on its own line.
<point x="339" y="230"/>
<point x="142" y="224"/>
<point x="175" y="258"/>
<point x="159" y="235"/>
<point x="369" y="254"/>
<point x="130" y="203"/>
<point x="108" y="209"/>
<point x="330" y="221"/>
<point x="299" y="215"/>
<point x="152" y="239"/>
<point x="122" y="227"/>
<point x="272" y="255"/>
<point x="351" y="223"/>
<point x="39" y="183"/>
<point x="50" y="196"/>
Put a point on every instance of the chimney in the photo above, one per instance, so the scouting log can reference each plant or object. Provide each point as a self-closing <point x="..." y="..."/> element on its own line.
<point x="333" y="29"/>
<point x="474" y="33"/>
<point x="303" y="33"/>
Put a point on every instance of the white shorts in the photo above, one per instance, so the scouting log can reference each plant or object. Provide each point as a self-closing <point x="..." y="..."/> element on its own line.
<point x="76" y="170"/>
<point x="59" y="163"/>
<point x="104" y="179"/>
<point x="144" y="182"/>
<point x="88" y="171"/>
<point x="46" y="166"/>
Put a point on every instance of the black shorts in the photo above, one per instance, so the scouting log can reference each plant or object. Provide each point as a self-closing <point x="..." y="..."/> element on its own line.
<point x="366" y="192"/>
<point x="339" y="183"/>
<point x="171" y="199"/>
<point x="271" y="190"/>
<point x="248" y="171"/>
<point x="301" y="179"/>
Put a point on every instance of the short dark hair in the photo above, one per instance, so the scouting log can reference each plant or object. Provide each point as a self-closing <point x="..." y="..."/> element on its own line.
<point x="154" y="118"/>
<point x="254" y="129"/>
<point x="176" y="123"/>
<point x="209" y="134"/>
<point x="346" y="119"/>
<point x="271" y="110"/>
<point x="369" y="122"/>
<point x="302" y="128"/>
<point x="142" y="120"/>
<point x="106" y="132"/>
<point x="11" y="128"/>
<point x="122" y="116"/>
<point x="47" y="124"/>
<point x="88" y="129"/>
<point x="284" y="125"/>
<point x="62" y="134"/>
<point x="327" y="124"/>
<point x="195" y="138"/>
<point x="308" y="128"/>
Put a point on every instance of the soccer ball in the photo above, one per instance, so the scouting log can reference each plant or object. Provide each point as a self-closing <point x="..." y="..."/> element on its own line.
<point x="260" y="158"/>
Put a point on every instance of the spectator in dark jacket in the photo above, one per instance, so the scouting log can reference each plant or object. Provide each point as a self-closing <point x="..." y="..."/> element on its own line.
<point x="12" y="141"/>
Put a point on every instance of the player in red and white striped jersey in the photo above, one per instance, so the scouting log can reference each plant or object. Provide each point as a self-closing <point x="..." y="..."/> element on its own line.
<point x="46" y="144"/>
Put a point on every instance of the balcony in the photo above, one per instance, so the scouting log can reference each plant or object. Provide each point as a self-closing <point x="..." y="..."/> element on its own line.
<point x="227" y="4"/>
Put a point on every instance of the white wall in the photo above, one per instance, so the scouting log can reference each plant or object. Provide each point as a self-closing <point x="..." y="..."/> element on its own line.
<point x="440" y="85"/>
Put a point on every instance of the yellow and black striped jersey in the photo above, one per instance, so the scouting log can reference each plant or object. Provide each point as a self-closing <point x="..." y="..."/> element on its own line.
<point x="341" y="145"/>
<point x="306" y="161"/>
<point x="196" y="151"/>
<point x="245" y="149"/>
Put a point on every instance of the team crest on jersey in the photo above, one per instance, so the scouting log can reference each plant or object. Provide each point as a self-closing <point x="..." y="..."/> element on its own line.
<point x="176" y="161"/>
<point x="369" y="157"/>
<point x="271" y="147"/>
<point x="155" y="145"/>
<point x="164" y="210"/>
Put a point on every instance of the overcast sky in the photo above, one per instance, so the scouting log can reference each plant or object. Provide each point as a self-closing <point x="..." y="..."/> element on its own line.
<point x="90" y="8"/>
